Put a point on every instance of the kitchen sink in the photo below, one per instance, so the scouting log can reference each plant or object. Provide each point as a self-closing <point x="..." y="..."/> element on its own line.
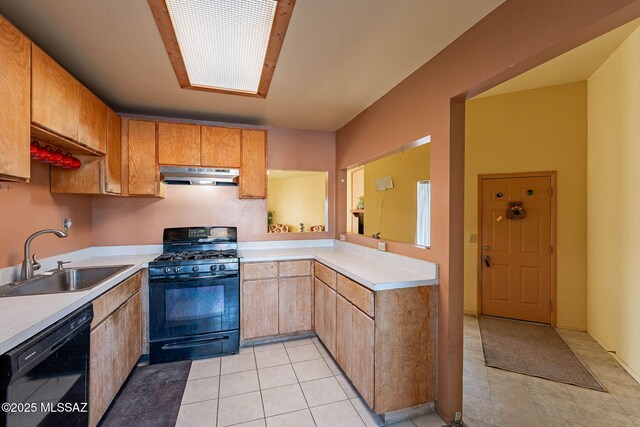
<point x="66" y="280"/>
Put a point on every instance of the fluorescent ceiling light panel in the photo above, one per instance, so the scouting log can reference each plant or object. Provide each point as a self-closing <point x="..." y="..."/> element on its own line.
<point x="223" y="42"/>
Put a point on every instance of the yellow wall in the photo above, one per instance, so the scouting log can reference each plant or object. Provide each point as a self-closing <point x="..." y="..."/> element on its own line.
<point x="400" y="203"/>
<point x="613" y="208"/>
<point x="300" y="199"/>
<point x="535" y="130"/>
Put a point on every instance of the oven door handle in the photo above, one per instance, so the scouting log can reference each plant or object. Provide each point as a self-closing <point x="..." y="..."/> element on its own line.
<point x="193" y="343"/>
<point x="192" y="278"/>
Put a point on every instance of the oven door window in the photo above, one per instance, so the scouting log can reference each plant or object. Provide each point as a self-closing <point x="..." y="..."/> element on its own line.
<point x="180" y="307"/>
<point x="192" y="304"/>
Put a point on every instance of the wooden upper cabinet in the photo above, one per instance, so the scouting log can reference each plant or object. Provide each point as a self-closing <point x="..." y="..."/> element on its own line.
<point x="92" y="121"/>
<point x="54" y="96"/>
<point x="113" y="170"/>
<point x="178" y="144"/>
<point x="15" y="96"/>
<point x="220" y="147"/>
<point x="97" y="175"/>
<point x="143" y="176"/>
<point x="88" y="179"/>
<point x="253" y="165"/>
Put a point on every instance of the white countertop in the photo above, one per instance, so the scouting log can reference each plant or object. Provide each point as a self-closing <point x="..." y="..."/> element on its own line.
<point x="22" y="317"/>
<point x="374" y="269"/>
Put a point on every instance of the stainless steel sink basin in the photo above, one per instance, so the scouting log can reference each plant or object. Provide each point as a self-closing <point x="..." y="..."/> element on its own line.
<point x="67" y="280"/>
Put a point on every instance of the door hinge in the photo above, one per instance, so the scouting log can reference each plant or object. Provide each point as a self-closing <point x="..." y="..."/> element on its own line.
<point x="550" y="192"/>
<point x="550" y="307"/>
<point x="550" y="250"/>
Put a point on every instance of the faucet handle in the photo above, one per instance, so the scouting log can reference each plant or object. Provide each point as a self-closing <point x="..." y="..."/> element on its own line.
<point x="36" y="265"/>
<point x="61" y="264"/>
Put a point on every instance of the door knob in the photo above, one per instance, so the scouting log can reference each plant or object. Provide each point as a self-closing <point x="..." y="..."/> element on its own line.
<point x="487" y="248"/>
<point x="487" y="261"/>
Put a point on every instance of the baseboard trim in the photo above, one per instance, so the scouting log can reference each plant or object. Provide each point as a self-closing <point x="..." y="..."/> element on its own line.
<point x="635" y="375"/>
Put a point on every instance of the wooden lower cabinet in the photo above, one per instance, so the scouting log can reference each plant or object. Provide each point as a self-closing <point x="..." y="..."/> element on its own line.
<point x="354" y="346"/>
<point x="325" y="315"/>
<point x="276" y="298"/>
<point x="259" y="308"/>
<point x="115" y="347"/>
<point x="295" y="299"/>
<point x="344" y="332"/>
<point x="362" y="341"/>
<point x="389" y="357"/>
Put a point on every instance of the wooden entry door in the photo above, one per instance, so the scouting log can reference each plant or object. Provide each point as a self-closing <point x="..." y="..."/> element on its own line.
<point x="516" y="254"/>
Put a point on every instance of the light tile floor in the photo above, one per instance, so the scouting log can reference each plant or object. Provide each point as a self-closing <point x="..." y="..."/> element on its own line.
<point x="295" y="383"/>
<point x="493" y="397"/>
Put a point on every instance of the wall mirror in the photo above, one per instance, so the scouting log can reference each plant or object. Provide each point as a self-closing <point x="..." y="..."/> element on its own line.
<point x="297" y="201"/>
<point x="389" y="198"/>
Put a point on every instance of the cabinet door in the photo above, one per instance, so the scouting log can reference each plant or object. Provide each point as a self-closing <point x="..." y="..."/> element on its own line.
<point x="116" y="345"/>
<point x="295" y="301"/>
<point x="92" y="122"/>
<point x="15" y="112"/>
<point x="54" y="95"/>
<point x="344" y="328"/>
<point x="220" y="147"/>
<point x="329" y="318"/>
<point x="259" y="308"/>
<point x="143" y="172"/>
<point x="318" y="309"/>
<point x="178" y="144"/>
<point x="113" y="170"/>
<point x="362" y="341"/>
<point x="253" y="165"/>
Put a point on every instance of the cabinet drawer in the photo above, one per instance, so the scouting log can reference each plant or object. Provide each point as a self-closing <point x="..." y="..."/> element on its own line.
<point x="294" y="268"/>
<point x="109" y="302"/>
<point x="259" y="270"/>
<point x="326" y="275"/>
<point x="357" y="294"/>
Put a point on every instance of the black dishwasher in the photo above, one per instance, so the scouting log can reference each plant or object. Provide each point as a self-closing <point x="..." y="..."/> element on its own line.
<point x="45" y="380"/>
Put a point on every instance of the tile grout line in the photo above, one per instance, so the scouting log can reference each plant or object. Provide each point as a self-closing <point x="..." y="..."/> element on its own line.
<point x="340" y="385"/>
<point x="255" y="360"/>
<point x="299" y="385"/>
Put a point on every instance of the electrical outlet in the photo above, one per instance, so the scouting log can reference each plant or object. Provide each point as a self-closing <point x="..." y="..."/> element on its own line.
<point x="473" y="238"/>
<point x="343" y="238"/>
<point x="382" y="246"/>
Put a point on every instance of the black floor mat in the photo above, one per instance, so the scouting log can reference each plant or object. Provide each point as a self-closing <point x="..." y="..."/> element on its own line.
<point x="150" y="397"/>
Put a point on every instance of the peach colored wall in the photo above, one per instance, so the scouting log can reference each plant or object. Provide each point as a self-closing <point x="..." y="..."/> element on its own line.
<point x="515" y="37"/>
<point x="129" y="221"/>
<point x="30" y="207"/>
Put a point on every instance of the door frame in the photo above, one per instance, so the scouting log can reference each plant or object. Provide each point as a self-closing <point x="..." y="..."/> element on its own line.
<point x="554" y="243"/>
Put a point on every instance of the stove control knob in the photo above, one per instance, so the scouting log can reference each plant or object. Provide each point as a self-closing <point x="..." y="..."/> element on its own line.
<point x="222" y="267"/>
<point x="214" y="267"/>
<point x="167" y="270"/>
<point x="195" y="268"/>
<point x="176" y="269"/>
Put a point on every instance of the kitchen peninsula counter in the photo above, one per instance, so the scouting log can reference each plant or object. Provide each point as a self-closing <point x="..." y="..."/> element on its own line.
<point x="22" y="317"/>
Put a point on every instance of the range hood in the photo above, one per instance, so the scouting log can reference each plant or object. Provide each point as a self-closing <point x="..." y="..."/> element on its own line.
<point x="184" y="175"/>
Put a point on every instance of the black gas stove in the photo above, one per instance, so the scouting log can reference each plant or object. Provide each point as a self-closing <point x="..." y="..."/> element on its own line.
<point x="194" y="290"/>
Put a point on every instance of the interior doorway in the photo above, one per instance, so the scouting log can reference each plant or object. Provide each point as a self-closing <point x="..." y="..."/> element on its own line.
<point x="517" y="250"/>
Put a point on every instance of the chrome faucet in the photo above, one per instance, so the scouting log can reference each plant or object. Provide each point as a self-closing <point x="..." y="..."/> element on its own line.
<point x="28" y="266"/>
